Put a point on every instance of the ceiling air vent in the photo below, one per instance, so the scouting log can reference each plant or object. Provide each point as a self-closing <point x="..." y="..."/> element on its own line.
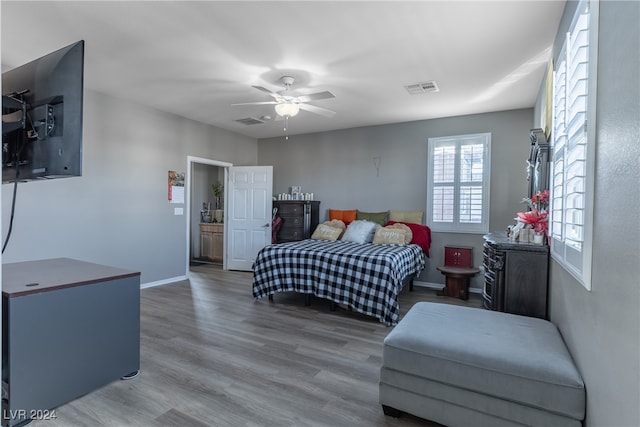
<point x="422" y="87"/>
<point x="249" y="121"/>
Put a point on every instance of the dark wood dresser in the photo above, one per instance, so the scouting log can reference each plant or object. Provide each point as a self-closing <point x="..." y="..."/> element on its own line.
<point x="516" y="276"/>
<point x="299" y="219"/>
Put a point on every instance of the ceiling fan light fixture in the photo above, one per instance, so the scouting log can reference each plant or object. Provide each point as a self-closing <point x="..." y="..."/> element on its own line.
<point x="287" y="109"/>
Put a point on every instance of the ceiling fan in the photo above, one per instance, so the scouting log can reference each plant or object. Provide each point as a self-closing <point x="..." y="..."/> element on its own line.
<point x="287" y="105"/>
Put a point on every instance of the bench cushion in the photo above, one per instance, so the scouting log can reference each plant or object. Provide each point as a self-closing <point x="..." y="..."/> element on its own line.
<point x="516" y="358"/>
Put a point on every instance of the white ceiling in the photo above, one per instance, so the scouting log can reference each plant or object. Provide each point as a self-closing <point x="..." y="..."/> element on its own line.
<point x="197" y="58"/>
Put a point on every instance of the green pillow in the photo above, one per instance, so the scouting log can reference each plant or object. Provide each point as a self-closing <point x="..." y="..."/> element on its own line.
<point x="377" y="217"/>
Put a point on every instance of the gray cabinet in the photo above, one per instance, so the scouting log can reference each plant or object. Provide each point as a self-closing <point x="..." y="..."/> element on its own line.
<point x="68" y="327"/>
<point x="516" y="276"/>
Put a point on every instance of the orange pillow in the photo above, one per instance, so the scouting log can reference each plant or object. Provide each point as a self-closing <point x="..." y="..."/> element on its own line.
<point x="345" y="216"/>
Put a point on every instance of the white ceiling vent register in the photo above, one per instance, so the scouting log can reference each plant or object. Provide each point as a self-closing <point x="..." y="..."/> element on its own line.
<point x="422" y="87"/>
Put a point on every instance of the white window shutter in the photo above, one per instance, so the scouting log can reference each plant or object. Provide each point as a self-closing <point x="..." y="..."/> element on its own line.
<point x="458" y="183"/>
<point x="571" y="109"/>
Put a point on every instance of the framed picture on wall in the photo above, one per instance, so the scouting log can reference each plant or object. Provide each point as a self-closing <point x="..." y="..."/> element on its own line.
<point x="296" y="190"/>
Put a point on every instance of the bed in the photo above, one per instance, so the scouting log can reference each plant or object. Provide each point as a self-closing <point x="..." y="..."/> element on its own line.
<point x="366" y="278"/>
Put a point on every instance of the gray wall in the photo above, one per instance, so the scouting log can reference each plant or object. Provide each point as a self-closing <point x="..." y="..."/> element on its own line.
<point x="338" y="167"/>
<point x="117" y="212"/>
<point x="602" y="327"/>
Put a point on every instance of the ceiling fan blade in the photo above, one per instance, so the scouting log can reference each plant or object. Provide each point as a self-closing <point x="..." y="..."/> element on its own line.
<point x="315" y="96"/>
<point x="268" y="92"/>
<point x="317" y="110"/>
<point x="256" y="103"/>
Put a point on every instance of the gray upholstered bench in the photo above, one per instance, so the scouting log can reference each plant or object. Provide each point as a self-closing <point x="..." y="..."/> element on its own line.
<point x="462" y="366"/>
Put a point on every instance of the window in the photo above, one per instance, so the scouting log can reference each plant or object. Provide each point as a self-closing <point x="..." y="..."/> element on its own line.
<point x="458" y="183"/>
<point x="573" y="143"/>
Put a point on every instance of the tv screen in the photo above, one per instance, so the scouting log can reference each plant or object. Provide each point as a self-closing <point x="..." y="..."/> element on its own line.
<point x="42" y="117"/>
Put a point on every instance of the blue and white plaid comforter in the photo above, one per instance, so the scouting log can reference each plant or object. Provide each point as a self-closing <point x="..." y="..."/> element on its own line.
<point x="365" y="277"/>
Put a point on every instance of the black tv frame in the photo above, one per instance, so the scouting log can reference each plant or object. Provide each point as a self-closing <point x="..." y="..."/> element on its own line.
<point x="42" y="115"/>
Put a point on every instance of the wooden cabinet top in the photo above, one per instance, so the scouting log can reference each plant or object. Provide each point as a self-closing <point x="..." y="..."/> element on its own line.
<point x="501" y="241"/>
<point x="32" y="277"/>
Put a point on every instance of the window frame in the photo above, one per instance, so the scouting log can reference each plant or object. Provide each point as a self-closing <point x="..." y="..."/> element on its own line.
<point x="457" y="226"/>
<point x="577" y="261"/>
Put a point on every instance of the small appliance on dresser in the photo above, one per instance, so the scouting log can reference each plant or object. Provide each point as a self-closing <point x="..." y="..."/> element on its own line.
<point x="299" y="219"/>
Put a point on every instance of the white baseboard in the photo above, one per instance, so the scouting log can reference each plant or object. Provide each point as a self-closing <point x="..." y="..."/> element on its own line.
<point x="439" y="286"/>
<point x="163" y="282"/>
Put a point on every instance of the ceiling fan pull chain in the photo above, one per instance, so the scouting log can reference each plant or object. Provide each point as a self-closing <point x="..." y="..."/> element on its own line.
<point x="286" y="126"/>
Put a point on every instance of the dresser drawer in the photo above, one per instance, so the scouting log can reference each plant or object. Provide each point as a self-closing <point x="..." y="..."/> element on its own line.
<point x="291" y="233"/>
<point x="292" y="221"/>
<point x="211" y="227"/>
<point x="286" y="209"/>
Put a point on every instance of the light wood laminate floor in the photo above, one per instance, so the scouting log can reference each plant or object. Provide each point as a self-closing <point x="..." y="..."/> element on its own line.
<point x="211" y="355"/>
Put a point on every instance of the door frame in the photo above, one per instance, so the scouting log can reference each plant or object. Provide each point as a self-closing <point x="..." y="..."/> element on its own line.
<point x="201" y="160"/>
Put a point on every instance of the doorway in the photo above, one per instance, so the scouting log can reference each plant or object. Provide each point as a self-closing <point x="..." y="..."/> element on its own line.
<point x="202" y="202"/>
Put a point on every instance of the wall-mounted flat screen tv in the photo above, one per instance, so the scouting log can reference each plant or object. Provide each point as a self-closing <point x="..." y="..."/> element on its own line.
<point x="42" y="117"/>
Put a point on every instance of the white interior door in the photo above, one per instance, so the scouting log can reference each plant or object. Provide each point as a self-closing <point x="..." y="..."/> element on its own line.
<point x="249" y="195"/>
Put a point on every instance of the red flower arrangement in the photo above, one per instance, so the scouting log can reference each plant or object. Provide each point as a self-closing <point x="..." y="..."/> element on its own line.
<point x="540" y="200"/>
<point x="539" y="220"/>
<point x="538" y="217"/>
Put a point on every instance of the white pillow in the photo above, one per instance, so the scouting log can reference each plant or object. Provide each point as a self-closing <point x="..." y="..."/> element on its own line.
<point x="360" y="231"/>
